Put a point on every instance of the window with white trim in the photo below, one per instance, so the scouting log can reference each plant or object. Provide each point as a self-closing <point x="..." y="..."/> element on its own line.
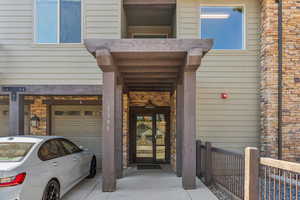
<point x="58" y="21"/>
<point x="224" y="24"/>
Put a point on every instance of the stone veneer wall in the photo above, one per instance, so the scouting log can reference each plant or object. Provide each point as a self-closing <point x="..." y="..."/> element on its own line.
<point x="291" y="82"/>
<point x="125" y="130"/>
<point x="291" y="75"/>
<point x="173" y="131"/>
<point x="269" y="87"/>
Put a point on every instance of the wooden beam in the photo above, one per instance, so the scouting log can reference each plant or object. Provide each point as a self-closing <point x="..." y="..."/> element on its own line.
<point x="147" y="69"/>
<point x="72" y="102"/>
<point x="6" y="102"/>
<point x="109" y="130"/>
<point x="16" y="114"/>
<point x="152" y="80"/>
<point x="193" y="59"/>
<point x="162" y="47"/>
<point x="150" y="89"/>
<point x="149" y="75"/>
<point x="149" y="2"/>
<point x="58" y="89"/>
<point x="189" y="131"/>
<point x="119" y="131"/>
<point x="179" y="127"/>
<point x="105" y="60"/>
<point x="145" y="62"/>
<point x="251" y="174"/>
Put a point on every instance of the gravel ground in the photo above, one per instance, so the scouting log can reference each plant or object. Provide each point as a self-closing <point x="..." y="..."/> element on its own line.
<point x="220" y="194"/>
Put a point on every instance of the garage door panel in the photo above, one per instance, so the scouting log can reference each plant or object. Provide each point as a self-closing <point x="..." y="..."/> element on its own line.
<point x="81" y="124"/>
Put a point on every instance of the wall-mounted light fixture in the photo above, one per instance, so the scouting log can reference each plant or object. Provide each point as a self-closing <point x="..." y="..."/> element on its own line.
<point x="35" y="121"/>
<point x="150" y="105"/>
<point x="224" y="95"/>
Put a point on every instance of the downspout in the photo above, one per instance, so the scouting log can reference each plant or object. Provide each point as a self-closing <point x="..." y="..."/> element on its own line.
<point x="280" y="86"/>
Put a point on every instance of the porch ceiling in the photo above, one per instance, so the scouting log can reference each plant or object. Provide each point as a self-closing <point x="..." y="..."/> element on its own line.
<point x="148" y="64"/>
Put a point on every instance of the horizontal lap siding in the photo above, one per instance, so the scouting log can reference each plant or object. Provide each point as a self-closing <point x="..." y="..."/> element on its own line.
<point x="23" y="62"/>
<point x="233" y="123"/>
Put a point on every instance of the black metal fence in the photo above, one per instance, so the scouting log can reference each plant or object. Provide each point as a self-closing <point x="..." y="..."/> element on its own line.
<point x="222" y="167"/>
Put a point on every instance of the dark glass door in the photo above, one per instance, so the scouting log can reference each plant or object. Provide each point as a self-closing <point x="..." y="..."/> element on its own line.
<point x="151" y="135"/>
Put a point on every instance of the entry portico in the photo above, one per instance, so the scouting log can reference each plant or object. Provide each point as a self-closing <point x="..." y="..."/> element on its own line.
<point x="149" y="65"/>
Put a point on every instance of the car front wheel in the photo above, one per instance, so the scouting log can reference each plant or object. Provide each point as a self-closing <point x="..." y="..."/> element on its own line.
<point x="52" y="191"/>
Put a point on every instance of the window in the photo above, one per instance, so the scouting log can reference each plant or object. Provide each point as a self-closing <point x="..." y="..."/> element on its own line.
<point x="14" y="151"/>
<point x="70" y="147"/>
<point x="58" y="21"/>
<point x="224" y="24"/>
<point x="50" y="150"/>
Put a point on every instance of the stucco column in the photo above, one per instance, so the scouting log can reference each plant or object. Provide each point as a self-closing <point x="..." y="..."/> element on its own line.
<point x="16" y="114"/>
<point x="189" y="131"/>
<point x="109" y="131"/>
<point x="179" y="128"/>
<point x="119" y="131"/>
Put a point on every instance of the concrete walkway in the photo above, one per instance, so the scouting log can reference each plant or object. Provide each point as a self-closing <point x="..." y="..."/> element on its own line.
<point x="141" y="185"/>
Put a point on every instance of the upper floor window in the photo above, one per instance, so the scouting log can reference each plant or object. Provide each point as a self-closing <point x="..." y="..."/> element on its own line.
<point x="224" y="24"/>
<point x="58" y="21"/>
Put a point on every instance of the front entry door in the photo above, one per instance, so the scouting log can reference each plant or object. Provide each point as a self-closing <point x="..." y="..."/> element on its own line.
<point x="151" y="136"/>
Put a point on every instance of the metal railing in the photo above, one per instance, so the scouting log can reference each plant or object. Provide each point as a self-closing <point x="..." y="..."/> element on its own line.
<point x="279" y="180"/>
<point x="248" y="176"/>
<point x="270" y="179"/>
<point x="221" y="167"/>
<point x="228" y="171"/>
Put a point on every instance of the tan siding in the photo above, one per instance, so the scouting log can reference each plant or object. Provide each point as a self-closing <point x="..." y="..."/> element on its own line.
<point x="231" y="123"/>
<point x="23" y="62"/>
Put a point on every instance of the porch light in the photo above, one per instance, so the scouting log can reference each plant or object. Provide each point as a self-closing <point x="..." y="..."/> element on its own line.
<point x="150" y="105"/>
<point x="214" y="16"/>
<point x="35" y="121"/>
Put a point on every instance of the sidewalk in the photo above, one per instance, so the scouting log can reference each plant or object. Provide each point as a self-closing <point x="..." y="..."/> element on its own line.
<point x="141" y="185"/>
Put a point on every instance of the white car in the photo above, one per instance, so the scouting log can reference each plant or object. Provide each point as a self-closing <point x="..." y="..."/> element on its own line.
<point x="41" y="168"/>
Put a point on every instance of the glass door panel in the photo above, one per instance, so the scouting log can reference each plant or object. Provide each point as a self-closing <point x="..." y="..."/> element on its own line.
<point x="160" y="137"/>
<point x="144" y="137"/>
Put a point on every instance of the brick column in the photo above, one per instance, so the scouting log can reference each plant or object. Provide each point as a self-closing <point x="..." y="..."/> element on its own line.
<point x="290" y="82"/>
<point x="269" y="86"/>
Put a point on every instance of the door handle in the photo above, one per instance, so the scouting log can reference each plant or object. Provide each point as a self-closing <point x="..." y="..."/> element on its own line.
<point x="75" y="158"/>
<point x="54" y="164"/>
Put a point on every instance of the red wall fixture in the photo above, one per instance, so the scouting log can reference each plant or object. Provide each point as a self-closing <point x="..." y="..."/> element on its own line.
<point x="224" y="95"/>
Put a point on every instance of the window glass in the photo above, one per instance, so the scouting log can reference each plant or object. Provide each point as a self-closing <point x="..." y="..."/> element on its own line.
<point x="14" y="151"/>
<point x="50" y="150"/>
<point x="70" y="147"/>
<point x="223" y="24"/>
<point x="58" y="21"/>
<point x="88" y="113"/>
<point x="59" y="113"/>
<point x="70" y="18"/>
<point x="46" y="23"/>
<point x="73" y="113"/>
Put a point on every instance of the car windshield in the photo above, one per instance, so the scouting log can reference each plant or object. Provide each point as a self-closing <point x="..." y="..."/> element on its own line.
<point x="14" y="151"/>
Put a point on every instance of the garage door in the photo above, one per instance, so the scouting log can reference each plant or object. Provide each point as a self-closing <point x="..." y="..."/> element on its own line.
<point x="81" y="124"/>
<point x="4" y="118"/>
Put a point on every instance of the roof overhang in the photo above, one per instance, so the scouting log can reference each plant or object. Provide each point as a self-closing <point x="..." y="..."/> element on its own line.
<point x="148" y="64"/>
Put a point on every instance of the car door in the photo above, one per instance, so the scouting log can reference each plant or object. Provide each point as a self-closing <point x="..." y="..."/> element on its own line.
<point x="51" y="153"/>
<point x="74" y="157"/>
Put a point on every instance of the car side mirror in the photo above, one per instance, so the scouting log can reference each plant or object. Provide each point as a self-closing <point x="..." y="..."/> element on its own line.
<point x="82" y="148"/>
